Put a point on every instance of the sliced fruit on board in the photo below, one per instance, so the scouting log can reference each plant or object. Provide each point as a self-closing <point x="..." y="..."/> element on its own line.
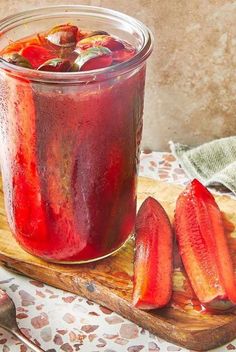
<point x="203" y="247"/>
<point x="37" y="55"/>
<point x="153" y="263"/>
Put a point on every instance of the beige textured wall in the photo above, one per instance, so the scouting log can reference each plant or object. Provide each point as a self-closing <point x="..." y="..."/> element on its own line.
<point x="191" y="78"/>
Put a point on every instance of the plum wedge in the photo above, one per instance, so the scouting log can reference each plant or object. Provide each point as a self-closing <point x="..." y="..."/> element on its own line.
<point x="36" y="55"/>
<point x="153" y="264"/>
<point x="203" y="247"/>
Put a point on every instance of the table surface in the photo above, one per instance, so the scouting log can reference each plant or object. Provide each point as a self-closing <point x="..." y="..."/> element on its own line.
<point x="61" y="321"/>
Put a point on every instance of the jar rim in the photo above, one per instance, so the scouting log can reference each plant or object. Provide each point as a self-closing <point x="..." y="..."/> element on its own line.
<point x="140" y="57"/>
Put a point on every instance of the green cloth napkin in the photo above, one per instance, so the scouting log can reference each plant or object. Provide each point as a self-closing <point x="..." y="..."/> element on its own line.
<point x="212" y="163"/>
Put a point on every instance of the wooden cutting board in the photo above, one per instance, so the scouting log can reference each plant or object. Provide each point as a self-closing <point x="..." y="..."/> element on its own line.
<point x="109" y="281"/>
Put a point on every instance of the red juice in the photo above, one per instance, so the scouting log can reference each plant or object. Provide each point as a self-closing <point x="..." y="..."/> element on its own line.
<point x="69" y="149"/>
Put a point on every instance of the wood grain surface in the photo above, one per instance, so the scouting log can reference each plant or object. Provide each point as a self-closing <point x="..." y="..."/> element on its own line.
<point x="109" y="281"/>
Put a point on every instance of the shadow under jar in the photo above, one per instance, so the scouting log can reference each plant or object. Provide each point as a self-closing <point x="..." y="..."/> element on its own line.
<point x="70" y="141"/>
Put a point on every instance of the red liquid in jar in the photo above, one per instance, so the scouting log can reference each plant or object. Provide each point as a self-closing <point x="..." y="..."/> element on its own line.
<point x="72" y="150"/>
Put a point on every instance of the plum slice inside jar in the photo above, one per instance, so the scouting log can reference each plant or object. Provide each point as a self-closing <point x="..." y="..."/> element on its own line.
<point x="100" y="40"/>
<point x="55" y="65"/>
<point x="92" y="59"/>
<point x="17" y="59"/>
<point x="63" y="36"/>
<point x="36" y="55"/>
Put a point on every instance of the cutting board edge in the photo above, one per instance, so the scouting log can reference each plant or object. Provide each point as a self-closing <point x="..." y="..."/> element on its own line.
<point x="201" y="340"/>
<point x="190" y="340"/>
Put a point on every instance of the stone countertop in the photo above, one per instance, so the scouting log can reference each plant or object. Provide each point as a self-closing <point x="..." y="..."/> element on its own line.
<point x="61" y="321"/>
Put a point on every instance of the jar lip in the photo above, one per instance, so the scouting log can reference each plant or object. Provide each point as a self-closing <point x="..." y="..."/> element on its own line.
<point x="85" y="76"/>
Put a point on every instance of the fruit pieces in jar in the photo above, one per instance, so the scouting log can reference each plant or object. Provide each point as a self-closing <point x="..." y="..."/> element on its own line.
<point x="93" y="58"/>
<point x="26" y="212"/>
<point x="36" y="55"/>
<point x="153" y="264"/>
<point x="121" y="51"/>
<point x="17" y="59"/>
<point x="63" y="36"/>
<point x="55" y="65"/>
<point x="105" y="41"/>
<point x="203" y="247"/>
<point x="85" y="50"/>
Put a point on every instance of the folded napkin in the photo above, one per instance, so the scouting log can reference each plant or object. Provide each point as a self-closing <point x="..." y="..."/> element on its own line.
<point x="212" y="163"/>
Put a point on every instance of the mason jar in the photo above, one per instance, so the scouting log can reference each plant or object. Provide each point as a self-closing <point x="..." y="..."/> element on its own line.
<point x="70" y="141"/>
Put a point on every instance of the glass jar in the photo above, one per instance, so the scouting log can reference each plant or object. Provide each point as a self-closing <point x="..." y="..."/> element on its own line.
<point x="70" y="141"/>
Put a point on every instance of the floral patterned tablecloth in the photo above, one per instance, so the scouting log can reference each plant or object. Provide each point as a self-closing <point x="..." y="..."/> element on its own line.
<point x="61" y="321"/>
